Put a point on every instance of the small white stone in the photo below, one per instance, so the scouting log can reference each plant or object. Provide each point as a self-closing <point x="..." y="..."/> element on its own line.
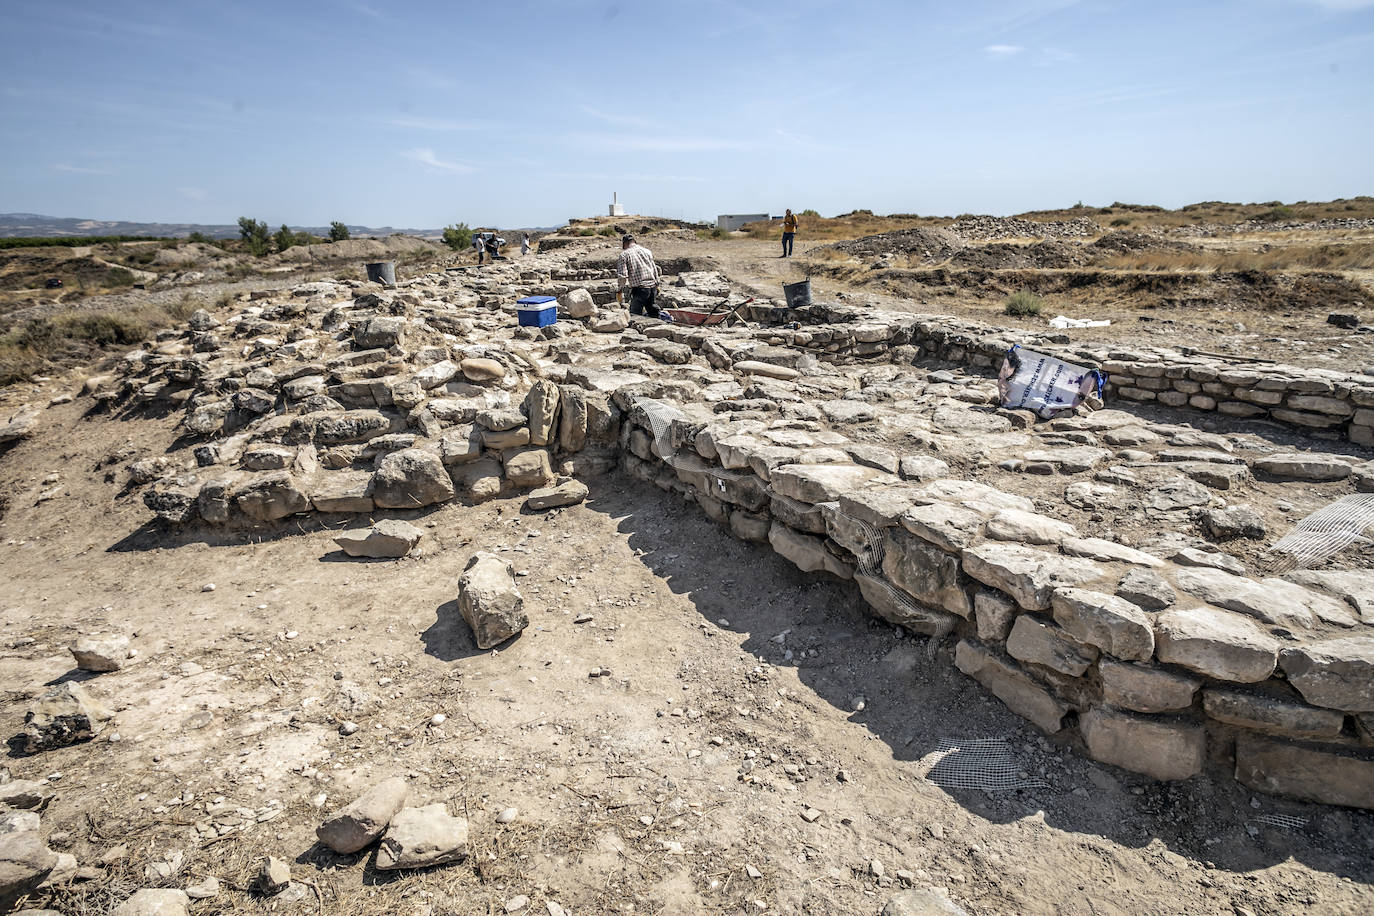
<point x="438" y="719"/>
<point x="506" y="816"/>
<point x="208" y="587"/>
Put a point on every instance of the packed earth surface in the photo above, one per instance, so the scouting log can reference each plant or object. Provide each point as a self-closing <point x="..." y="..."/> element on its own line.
<point x="683" y="719"/>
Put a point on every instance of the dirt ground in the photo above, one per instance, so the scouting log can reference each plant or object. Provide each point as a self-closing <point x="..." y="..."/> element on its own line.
<point x="733" y="696"/>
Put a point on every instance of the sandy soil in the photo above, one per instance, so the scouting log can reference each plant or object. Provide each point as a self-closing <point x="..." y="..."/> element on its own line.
<point x="724" y="662"/>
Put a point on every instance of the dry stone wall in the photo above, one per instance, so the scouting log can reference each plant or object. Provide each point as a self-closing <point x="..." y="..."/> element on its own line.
<point x="824" y="443"/>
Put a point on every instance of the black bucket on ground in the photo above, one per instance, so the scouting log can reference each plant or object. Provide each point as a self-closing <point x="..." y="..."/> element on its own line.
<point x="383" y="272"/>
<point x="797" y="294"/>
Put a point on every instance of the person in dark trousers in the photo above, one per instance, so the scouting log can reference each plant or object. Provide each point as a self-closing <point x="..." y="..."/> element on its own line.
<point x="493" y="247"/>
<point x="789" y="232"/>
<point x="477" y="246"/>
<point x="637" y="271"/>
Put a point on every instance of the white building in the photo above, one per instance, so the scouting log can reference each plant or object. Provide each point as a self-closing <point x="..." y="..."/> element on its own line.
<point x="616" y="209"/>
<point x="732" y="221"/>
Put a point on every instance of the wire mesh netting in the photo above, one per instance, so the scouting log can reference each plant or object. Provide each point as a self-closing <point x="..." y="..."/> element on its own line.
<point x="988" y="764"/>
<point x="1323" y="533"/>
<point x="1282" y="821"/>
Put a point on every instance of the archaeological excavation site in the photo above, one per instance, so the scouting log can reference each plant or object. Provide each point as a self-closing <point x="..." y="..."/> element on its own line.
<point x="474" y="593"/>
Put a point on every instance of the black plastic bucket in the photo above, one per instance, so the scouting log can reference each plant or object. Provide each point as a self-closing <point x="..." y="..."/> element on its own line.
<point x="383" y="272"/>
<point x="797" y="294"/>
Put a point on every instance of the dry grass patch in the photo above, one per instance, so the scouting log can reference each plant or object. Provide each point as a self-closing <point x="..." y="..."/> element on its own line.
<point x="1332" y="256"/>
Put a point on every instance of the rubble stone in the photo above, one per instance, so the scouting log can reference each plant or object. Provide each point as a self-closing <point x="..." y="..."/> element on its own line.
<point x="489" y="601"/>
<point x="410" y="479"/>
<point x="389" y="538"/>
<point x="361" y="821"/>
<point x="421" y="837"/>
<point x="1161" y="749"/>
<point x="63" y="715"/>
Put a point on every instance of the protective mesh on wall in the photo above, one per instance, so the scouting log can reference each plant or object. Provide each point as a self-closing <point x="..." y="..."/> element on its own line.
<point x="1325" y="532"/>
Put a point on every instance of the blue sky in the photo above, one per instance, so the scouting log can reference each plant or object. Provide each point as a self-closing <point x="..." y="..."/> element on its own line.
<point x="527" y="112"/>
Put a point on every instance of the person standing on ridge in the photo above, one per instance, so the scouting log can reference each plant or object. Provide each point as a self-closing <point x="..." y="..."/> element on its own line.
<point x="789" y="232"/>
<point x="524" y="244"/>
<point x="636" y="269"/>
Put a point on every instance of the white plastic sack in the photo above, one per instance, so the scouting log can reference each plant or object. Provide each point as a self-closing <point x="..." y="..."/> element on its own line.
<point x="1034" y="381"/>
<point x="1061" y="322"/>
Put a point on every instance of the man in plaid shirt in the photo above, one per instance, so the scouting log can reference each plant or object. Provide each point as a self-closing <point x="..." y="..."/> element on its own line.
<point x="638" y="271"/>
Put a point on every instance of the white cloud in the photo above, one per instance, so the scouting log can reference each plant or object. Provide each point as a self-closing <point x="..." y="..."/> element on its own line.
<point x="79" y="170"/>
<point x="1003" y="50"/>
<point x="192" y="193"/>
<point x="427" y="158"/>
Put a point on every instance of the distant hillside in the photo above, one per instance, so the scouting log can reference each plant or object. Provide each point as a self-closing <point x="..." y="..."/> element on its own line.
<point x="16" y="225"/>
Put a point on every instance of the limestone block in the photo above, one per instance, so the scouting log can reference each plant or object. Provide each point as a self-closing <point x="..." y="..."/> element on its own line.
<point x="541" y="407"/>
<point x="1112" y="624"/>
<point x="1335" y="673"/>
<point x="1027" y="574"/>
<point x="1146" y="689"/>
<point x="363" y="820"/>
<point x="925" y="571"/>
<point x="1161" y="749"/>
<point x="819" y="483"/>
<point x="489" y="601"/>
<point x="1216" y="643"/>
<point x="994" y="614"/>
<point x="342" y="491"/>
<point x="1269" y="714"/>
<point x="411" y="478"/>
<point x="807" y="552"/>
<point x="528" y="467"/>
<point x="272" y="496"/>
<point x="895" y="606"/>
<point x="1330" y="777"/>
<point x="421" y="837"/>
<point x="948" y="526"/>
<point x="1038" y="643"/>
<point x="1011" y="685"/>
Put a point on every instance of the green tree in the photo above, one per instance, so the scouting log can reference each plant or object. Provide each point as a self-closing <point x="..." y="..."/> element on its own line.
<point x="198" y="237"/>
<point x="285" y="238"/>
<point x="255" y="235"/>
<point x="338" y="232"/>
<point x="458" y="237"/>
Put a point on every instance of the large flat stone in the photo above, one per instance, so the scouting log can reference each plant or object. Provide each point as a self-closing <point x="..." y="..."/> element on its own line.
<point x="1354" y="586"/>
<point x="389" y="538"/>
<point x="1028" y="528"/>
<point x="948" y="526"/>
<point x="1027" y="574"/>
<point x="1012" y="686"/>
<point x="1268" y="714"/>
<point x="1335" y="673"/>
<point x="1330" y="777"/>
<point x="1145" y="689"/>
<point x="1161" y="749"/>
<point x="973" y="495"/>
<point x="1303" y="466"/>
<point x="1112" y="624"/>
<point x="1041" y="644"/>
<point x="1218" y="644"/>
<point x="820" y="483"/>
<point x="1272" y="601"/>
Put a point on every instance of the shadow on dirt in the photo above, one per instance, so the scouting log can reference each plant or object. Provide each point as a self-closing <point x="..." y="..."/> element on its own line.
<point x="449" y="638"/>
<point x="909" y="695"/>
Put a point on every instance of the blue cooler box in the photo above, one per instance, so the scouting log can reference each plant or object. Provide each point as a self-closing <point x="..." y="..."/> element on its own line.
<point x="537" y="311"/>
